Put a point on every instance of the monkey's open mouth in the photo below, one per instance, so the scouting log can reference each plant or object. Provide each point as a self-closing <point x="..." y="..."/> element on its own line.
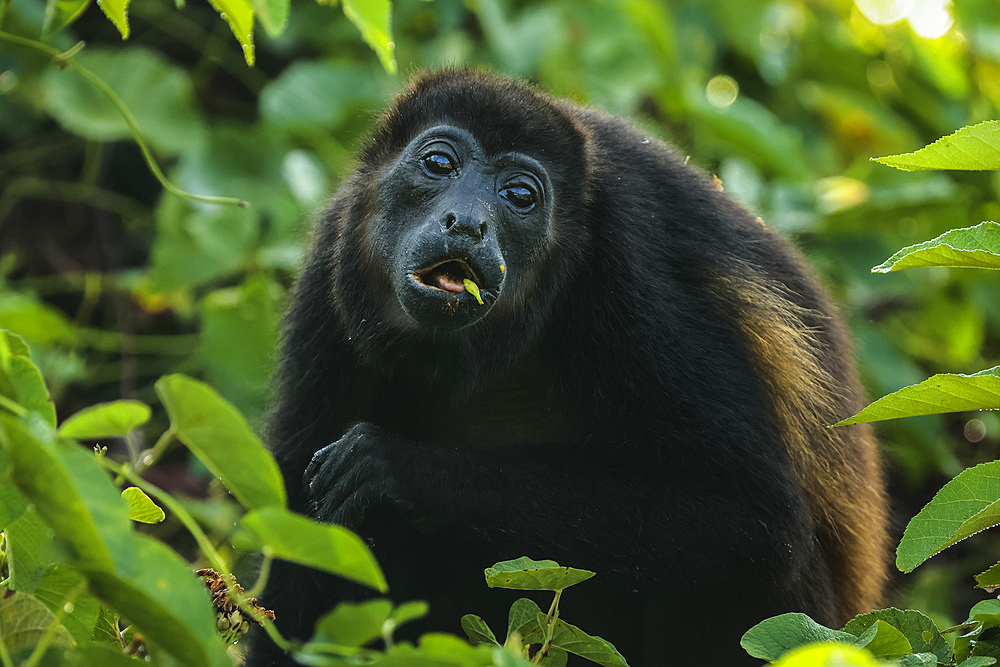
<point x="446" y="276"/>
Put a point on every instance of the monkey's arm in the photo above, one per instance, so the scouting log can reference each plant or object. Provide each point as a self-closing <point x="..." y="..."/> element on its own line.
<point x="370" y="466"/>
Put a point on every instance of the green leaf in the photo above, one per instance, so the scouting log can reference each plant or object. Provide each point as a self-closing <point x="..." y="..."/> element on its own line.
<point x="884" y="641"/>
<point x="977" y="661"/>
<point x="919" y="630"/>
<point x="574" y="640"/>
<point x="117" y="11"/>
<point x="966" y="505"/>
<point x="239" y="335"/>
<point x="775" y="636"/>
<point x="163" y="598"/>
<point x="373" y="19"/>
<point x="26" y="316"/>
<point x="445" y="650"/>
<point x="221" y="439"/>
<point x="972" y="147"/>
<point x="12" y="503"/>
<point x="972" y="247"/>
<point x="919" y="660"/>
<point x="478" y="631"/>
<point x="525" y="574"/>
<point x="104" y="420"/>
<point x="990" y="578"/>
<point x="29" y="541"/>
<point x="141" y="507"/>
<point x="353" y="623"/>
<point x="940" y="393"/>
<point x="473" y="289"/>
<point x="323" y="546"/>
<point x="159" y="94"/>
<point x="409" y="611"/>
<point x="80" y="614"/>
<point x="61" y="13"/>
<point x="88" y="656"/>
<point x="23" y="621"/>
<point x="20" y="380"/>
<point x="239" y="15"/>
<point x="272" y="14"/>
<point x="70" y="491"/>
<point x="984" y="616"/>
<point x="523" y="619"/>
<point x="310" y="95"/>
<point x="106" y="631"/>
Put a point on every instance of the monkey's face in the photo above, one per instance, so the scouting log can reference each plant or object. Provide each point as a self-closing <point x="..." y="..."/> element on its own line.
<point x="449" y="213"/>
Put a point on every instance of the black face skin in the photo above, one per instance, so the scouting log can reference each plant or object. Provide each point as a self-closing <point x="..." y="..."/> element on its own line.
<point x="644" y="391"/>
<point x="449" y="211"/>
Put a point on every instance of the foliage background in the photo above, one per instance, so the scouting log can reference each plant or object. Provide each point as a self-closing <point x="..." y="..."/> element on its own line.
<point x="114" y="282"/>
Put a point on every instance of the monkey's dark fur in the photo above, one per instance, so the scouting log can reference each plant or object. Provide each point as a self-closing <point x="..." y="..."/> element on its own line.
<point x="644" y="391"/>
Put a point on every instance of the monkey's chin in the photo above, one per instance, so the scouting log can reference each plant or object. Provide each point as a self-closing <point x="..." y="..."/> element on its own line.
<point x="442" y="303"/>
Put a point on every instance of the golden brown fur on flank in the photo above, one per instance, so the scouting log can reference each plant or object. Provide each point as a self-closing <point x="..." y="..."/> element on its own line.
<point x="838" y="468"/>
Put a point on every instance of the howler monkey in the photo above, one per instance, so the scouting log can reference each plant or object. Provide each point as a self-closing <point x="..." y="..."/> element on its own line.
<point x="644" y="389"/>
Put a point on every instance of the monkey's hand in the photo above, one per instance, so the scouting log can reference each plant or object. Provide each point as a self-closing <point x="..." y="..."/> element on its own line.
<point x="354" y="474"/>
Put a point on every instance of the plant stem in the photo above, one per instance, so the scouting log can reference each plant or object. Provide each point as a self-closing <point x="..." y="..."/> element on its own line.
<point x="550" y="628"/>
<point x="214" y="559"/>
<point x="65" y="59"/>
<point x="262" y="576"/>
<point x="168" y="501"/>
<point x="11" y="406"/>
<point x="152" y="455"/>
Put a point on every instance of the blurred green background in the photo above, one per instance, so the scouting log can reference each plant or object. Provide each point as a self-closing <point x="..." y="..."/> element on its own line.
<point x="114" y="282"/>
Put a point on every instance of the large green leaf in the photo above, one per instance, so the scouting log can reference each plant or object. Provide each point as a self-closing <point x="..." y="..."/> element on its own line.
<point x="941" y="393"/>
<point x="966" y="505"/>
<point x="972" y="247"/>
<point x="61" y="13"/>
<point x="884" y="641"/>
<point x="71" y="492"/>
<point x="523" y="618"/>
<point x="272" y="14"/>
<point x="478" y="631"/>
<point x="320" y="95"/>
<point x="324" y="546"/>
<point x="525" y="574"/>
<point x="574" y="640"/>
<point x="23" y="621"/>
<point x="239" y="335"/>
<point x="29" y="552"/>
<point x="163" y="598"/>
<point x="239" y="15"/>
<point x="972" y="147"/>
<point x="775" y="636"/>
<point x="79" y="617"/>
<point x="104" y="420"/>
<point x="374" y="18"/>
<point x="160" y="96"/>
<point x="919" y="630"/>
<point x="26" y="316"/>
<point x="353" y="623"/>
<point x="984" y="615"/>
<point x="20" y="380"/>
<point x="220" y="437"/>
<point x="12" y="503"/>
<point x="117" y="11"/>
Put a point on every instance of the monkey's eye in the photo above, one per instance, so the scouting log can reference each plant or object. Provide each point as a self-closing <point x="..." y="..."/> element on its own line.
<point x="521" y="196"/>
<point x="440" y="164"/>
